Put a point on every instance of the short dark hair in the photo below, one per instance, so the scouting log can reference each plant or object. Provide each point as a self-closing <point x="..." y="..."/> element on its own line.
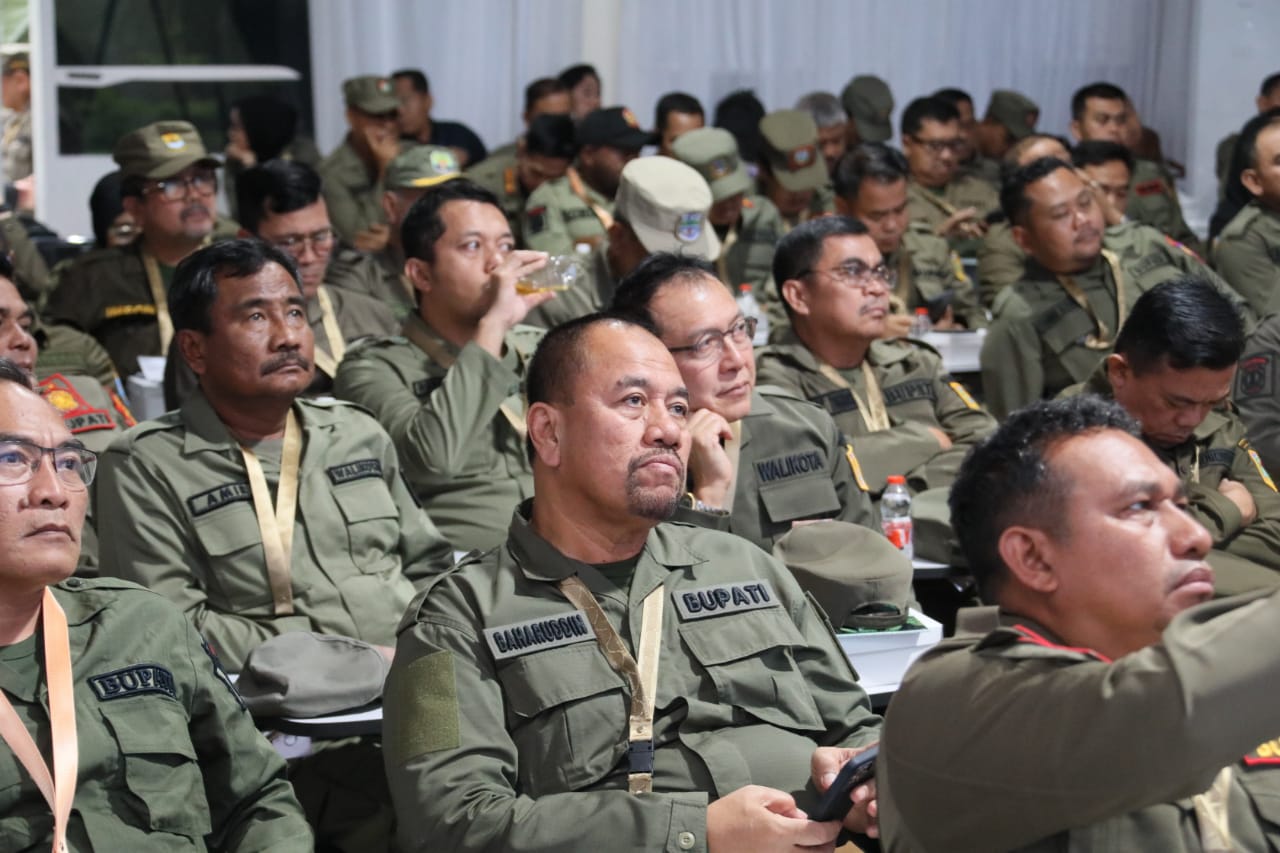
<point x="1247" y="146"/>
<point x="1102" y="91"/>
<point x="539" y="89"/>
<point x="637" y="288"/>
<point x="551" y="136"/>
<point x="10" y="372"/>
<point x="273" y="188"/>
<point x="801" y="247"/>
<point x="675" y="102"/>
<point x="1006" y="480"/>
<point x="926" y="109"/>
<point x="416" y="79"/>
<point x="1182" y="323"/>
<point x="1269" y="85"/>
<point x="1013" y="193"/>
<point x="873" y="160"/>
<point x="423" y="225"/>
<point x="194" y="288"/>
<point x="954" y="97"/>
<point x="1095" y="152"/>
<point x="575" y="74"/>
<point x="824" y="107"/>
<point x="740" y="113"/>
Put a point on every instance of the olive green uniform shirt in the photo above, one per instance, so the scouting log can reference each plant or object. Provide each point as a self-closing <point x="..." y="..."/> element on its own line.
<point x="1222" y="161"/>
<point x="1035" y="346"/>
<point x="526" y="749"/>
<point x="169" y="758"/>
<point x="497" y="173"/>
<point x="31" y="273"/>
<point x="929" y="272"/>
<point x="71" y="351"/>
<point x="746" y="254"/>
<point x="352" y="194"/>
<point x="379" y="277"/>
<point x="985" y="169"/>
<point x="1001" y="262"/>
<point x="919" y="394"/>
<point x="1247" y="254"/>
<point x="555" y="220"/>
<point x="462" y="456"/>
<point x="174" y="495"/>
<point x="793" y="465"/>
<point x="1154" y="201"/>
<point x="1015" y="742"/>
<point x="933" y="207"/>
<point x="1256" y="393"/>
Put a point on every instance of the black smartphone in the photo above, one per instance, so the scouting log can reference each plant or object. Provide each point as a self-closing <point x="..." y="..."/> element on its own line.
<point x="835" y="803"/>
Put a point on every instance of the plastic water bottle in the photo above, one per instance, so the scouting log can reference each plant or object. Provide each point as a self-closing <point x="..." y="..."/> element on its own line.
<point x="750" y="308"/>
<point x="895" y="515"/>
<point x="921" y="325"/>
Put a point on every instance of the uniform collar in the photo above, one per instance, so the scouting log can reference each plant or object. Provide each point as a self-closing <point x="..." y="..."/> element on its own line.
<point x="787" y="345"/>
<point x="205" y="431"/>
<point x="1018" y="636"/>
<point x="1037" y="271"/>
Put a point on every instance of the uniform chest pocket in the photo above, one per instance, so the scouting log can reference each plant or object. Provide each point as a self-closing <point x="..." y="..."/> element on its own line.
<point x="567" y="713"/>
<point x="238" y="580"/>
<point x="748" y="657"/>
<point x="373" y="524"/>
<point x="165" y="791"/>
<point x="802" y="497"/>
<point x="1068" y="330"/>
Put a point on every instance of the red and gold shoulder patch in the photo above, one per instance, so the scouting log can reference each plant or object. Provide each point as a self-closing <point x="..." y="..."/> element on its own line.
<point x="1155" y="186"/>
<point x="1180" y="247"/>
<point x="747" y="203"/>
<point x="122" y="409"/>
<point x="76" y="412"/>
<point x="1267" y="753"/>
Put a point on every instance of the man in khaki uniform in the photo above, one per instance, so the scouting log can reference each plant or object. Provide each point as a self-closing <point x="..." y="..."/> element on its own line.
<point x="1100" y="111"/>
<point x="140" y="739"/>
<point x="544" y="96"/>
<point x="1051" y="329"/>
<point x="1105" y="651"/>
<point x="871" y="186"/>
<point x="544" y="153"/>
<point x="969" y="160"/>
<point x="1172" y="369"/>
<point x="354" y="170"/>
<point x="577" y="210"/>
<point x="118" y="295"/>
<point x="449" y="390"/>
<point x="1247" y="252"/>
<point x="1268" y="99"/>
<point x="529" y="651"/>
<point x="792" y="172"/>
<point x="832" y="123"/>
<point x="955" y="206"/>
<point x="748" y="225"/>
<point x="761" y="460"/>
<point x="15" y="141"/>
<point x="869" y="103"/>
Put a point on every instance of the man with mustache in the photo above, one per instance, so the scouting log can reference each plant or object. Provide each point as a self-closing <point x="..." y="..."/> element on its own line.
<point x="1172" y="370"/>
<point x="260" y="512"/>
<point x="118" y="295"/>
<point x="1050" y="329"/>
<point x="1104" y="703"/>
<point x="506" y="719"/>
<point x="760" y="460"/>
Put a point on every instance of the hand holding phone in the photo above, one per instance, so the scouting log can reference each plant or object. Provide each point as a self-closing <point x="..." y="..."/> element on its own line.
<point x="835" y="803"/>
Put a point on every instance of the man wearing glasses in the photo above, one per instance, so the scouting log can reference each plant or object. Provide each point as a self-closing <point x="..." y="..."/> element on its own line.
<point x="955" y="206"/>
<point x="760" y="460"/>
<point x="124" y="733"/>
<point x="905" y="413"/>
<point x="118" y="295"/>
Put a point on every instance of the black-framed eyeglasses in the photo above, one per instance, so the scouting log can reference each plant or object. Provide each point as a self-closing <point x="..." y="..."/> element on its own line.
<point x="19" y="461"/>
<point x="855" y="273"/>
<point x="938" y="146"/>
<point x="321" y="240"/>
<point x="203" y="181"/>
<point x="710" y="345"/>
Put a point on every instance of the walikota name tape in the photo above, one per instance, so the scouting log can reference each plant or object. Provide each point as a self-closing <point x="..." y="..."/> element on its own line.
<point x="724" y="599"/>
<point x="535" y="635"/>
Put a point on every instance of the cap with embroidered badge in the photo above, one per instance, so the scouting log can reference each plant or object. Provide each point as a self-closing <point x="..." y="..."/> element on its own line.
<point x="370" y="94"/>
<point x="790" y="140"/>
<point x="304" y="674"/>
<point x="161" y="150"/>
<point x="869" y="103"/>
<point x="1015" y="111"/>
<point x="858" y="577"/>
<point x="421" y="166"/>
<point x="714" y="153"/>
<point x="16" y="62"/>
<point x="666" y="202"/>
<point x="613" y="126"/>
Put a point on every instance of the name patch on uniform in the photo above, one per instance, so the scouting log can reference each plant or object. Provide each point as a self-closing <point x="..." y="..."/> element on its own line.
<point x="96" y="419"/>
<point x="791" y="465"/>
<point x="536" y="635"/>
<point x="905" y="392"/>
<point x="724" y="598"/>
<point x="837" y="402"/>
<point x="1267" y="753"/>
<point x="1147" y="263"/>
<point x="1047" y="319"/>
<point x="361" y="469"/>
<point x="1220" y="456"/>
<point x="133" y="681"/>
<point x="424" y="387"/>
<point x="217" y="497"/>
<point x="572" y="213"/>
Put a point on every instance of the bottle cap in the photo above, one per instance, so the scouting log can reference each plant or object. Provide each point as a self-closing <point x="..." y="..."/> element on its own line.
<point x="745" y="287"/>
<point x="922" y="310"/>
<point x="897" y="480"/>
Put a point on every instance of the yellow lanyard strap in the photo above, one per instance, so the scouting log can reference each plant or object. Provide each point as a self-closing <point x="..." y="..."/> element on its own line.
<point x="580" y="190"/>
<point x="873" y="411"/>
<point x="276" y="524"/>
<point x="1102" y="339"/>
<point x="642" y="677"/>
<point x="156" y="283"/>
<point x="58" y="788"/>
<point x="722" y="262"/>
<point x="329" y="357"/>
<point x="1212" y="814"/>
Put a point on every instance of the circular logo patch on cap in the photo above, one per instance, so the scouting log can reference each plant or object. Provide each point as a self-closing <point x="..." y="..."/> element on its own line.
<point x="719" y="168"/>
<point x="442" y="162"/>
<point x="630" y="118"/>
<point x="384" y="86"/>
<point x="173" y="141"/>
<point x="689" y="227"/>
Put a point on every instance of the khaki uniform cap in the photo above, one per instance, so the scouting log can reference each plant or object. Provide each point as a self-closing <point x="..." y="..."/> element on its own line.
<point x="1015" y="111"/>
<point x="161" y="150"/>
<point x="714" y="153"/>
<point x="304" y="674"/>
<point x="666" y="202"/>
<point x="869" y="103"/>
<point x="370" y="94"/>
<point x="421" y="166"/>
<point x="791" y="146"/>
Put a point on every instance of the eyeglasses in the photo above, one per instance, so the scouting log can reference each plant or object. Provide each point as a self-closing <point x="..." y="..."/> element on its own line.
<point x="177" y="188"/>
<point x="938" y="146"/>
<point x="19" y="461"/>
<point x="710" y="346"/>
<point x="321" y="240"/>
<point x="858" y="275"/>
